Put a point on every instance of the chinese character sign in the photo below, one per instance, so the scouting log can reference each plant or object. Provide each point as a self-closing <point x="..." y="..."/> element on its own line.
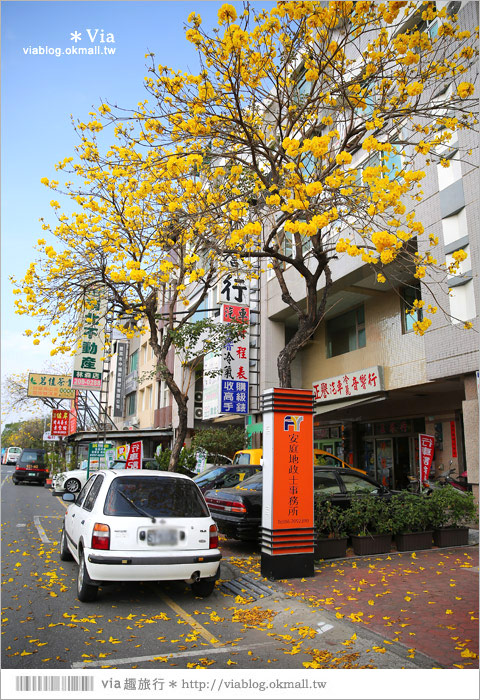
<point x="88" y="362"/>
<point x="350" y="385"/>
<point x="60" y="422"/>
<point x="453" y="434"/>
<point x="54" y="386"/>
<point x="234" y="289"/>
<point x="293" y="455"/>
<point x="135" y="455"/>
<point x="122" y="354"/>
<point x="427" y="448"/>
<point x="235" y="369"/>
<point x="211" y="387"/>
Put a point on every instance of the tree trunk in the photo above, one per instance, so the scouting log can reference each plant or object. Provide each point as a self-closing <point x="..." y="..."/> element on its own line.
<point x="180" y="436"/>
<point x="306" y="329"/>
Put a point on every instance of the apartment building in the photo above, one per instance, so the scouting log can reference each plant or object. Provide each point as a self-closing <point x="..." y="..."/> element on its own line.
<point x="376" y="384"/>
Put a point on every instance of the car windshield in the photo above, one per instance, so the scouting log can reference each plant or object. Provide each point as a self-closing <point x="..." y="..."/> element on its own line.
<point x="208" y="476"/>
<point x="327" y="461"/>
<point x="32" y="457"/>
<point x="165" y="497"/>
<point x="242" y="458"/>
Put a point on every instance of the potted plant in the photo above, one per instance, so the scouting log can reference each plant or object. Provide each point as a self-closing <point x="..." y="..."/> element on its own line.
<point x="412" y="518"/>
<point x="331" y="533"/>
<point x="369" y="522"/>
<point x="452" y="512"/>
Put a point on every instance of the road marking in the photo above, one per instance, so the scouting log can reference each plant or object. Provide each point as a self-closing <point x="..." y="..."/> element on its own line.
<point x="21" y="525"/>
<point x="323" y="627"/>
<point x="40" y="530"/>
<point x="178" y="655"/>
<point x="191" y="621"/>
<point x="4" y="480"/>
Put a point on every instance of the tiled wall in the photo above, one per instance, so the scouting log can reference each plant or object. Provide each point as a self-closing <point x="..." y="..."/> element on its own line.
<point x="401" y="355"/>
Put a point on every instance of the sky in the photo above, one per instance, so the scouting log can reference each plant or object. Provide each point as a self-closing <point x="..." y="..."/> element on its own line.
<point x="41" y="90"/>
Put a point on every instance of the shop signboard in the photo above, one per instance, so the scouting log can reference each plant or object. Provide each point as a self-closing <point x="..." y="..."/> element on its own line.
<point x="226" y="376"/>
<point x="426" y="450"/>
<point x="135" y="455"/>
<point x="52" y="386"/>
<point x="60" y="421"/>
<point x="121" y="373"/>
<point x="97" y="455"/>
<point x="234" y="289"/>
<point x="453" y="434"/>
<point x="211" y="386"/>
<point x="48" y="437"/>
<point x="349" y="385"/>
<point x="88" y="361"/>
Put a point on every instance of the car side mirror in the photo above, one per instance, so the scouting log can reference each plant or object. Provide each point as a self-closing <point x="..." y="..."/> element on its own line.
<point x="70" y="497"/>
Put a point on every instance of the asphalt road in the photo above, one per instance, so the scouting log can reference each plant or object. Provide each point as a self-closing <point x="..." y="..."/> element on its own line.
<point x="155" y="625"/>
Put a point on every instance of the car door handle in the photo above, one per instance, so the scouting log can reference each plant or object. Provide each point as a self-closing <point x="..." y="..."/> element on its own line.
<point x="83" y="522"/>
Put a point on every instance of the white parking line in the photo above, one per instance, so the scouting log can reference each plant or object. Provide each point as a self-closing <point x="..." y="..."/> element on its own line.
<point x="181" y="654"/>
<point x="40" y="530"/>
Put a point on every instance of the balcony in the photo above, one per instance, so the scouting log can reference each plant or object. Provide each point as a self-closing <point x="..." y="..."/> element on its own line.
<point x="163" y="417"/>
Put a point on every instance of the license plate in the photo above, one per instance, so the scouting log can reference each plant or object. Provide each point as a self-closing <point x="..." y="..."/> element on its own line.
<point x="32" y="474"/>
<point x="162" y="536"/>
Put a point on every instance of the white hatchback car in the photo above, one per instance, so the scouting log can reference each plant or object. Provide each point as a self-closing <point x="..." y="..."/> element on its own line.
<point x="140" y="526"/>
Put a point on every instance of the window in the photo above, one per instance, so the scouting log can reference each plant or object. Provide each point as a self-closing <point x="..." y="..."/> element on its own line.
<point x="454" y="227"/>
<point x="144" y="353"/>
<point x="358" y="484"/>
<point x="325" y="483"/>
<point x="462" y="302"/>
<point x="131" y="404"/>
<point x="346" y="332"/>
<point x="409" y="295"/>
<point x="84" y="491"/>
<point x="93" y="493"/>
<point x="149" y="397"/>
<point x="133" y="361"/>
<point x="141" y="403"/>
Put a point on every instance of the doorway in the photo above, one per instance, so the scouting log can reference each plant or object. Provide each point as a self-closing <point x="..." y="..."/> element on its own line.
<point x="384" y="461"/>
<point x="402" y="463"/>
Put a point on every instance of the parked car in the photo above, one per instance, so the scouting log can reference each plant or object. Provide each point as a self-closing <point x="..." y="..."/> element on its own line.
<point x="11" y="455"/>
<point x="225" y="476"/>
<point x="238" y="511"/>
<point x="31" y="466"/>
<point x="140" y="525"/>
<point x="320" y="458"/>
<point x="73" y="480"/>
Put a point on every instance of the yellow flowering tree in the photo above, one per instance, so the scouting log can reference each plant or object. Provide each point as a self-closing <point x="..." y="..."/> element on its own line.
<point x="314" y="125"/>
<point x="133" y="224"/>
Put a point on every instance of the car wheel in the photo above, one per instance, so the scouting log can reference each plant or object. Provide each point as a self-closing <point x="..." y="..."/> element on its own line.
<point x="65" y="554"/>
<point x="72" y="485"/>
<point x="86" y="591"/>
<point x="203" y="588"/>
<point x="15" y="482"/>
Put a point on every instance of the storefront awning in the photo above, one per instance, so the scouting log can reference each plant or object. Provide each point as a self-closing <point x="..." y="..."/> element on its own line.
<point x="341" y="405"/>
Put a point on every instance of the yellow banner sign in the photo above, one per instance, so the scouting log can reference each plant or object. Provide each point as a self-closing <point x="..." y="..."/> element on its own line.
<point x="53" y="386"/>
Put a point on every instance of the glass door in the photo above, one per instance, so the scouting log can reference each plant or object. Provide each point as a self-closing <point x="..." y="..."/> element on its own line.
<point x="384" y="461"/>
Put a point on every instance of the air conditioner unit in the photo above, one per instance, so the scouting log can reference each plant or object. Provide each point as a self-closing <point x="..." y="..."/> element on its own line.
<point x="133" y="422"/>
<point x="198" y="397"/>
<point x="198" y="412"/>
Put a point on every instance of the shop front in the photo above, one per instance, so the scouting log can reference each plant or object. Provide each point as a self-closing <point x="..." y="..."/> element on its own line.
<point x="388" y="450"/>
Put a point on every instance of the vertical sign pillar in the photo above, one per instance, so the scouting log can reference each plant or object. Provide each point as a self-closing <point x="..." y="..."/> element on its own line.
<point x="287" y="533"/>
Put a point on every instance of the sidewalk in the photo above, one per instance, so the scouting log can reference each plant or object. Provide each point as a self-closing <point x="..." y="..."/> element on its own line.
<point x="426" y="601"/>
